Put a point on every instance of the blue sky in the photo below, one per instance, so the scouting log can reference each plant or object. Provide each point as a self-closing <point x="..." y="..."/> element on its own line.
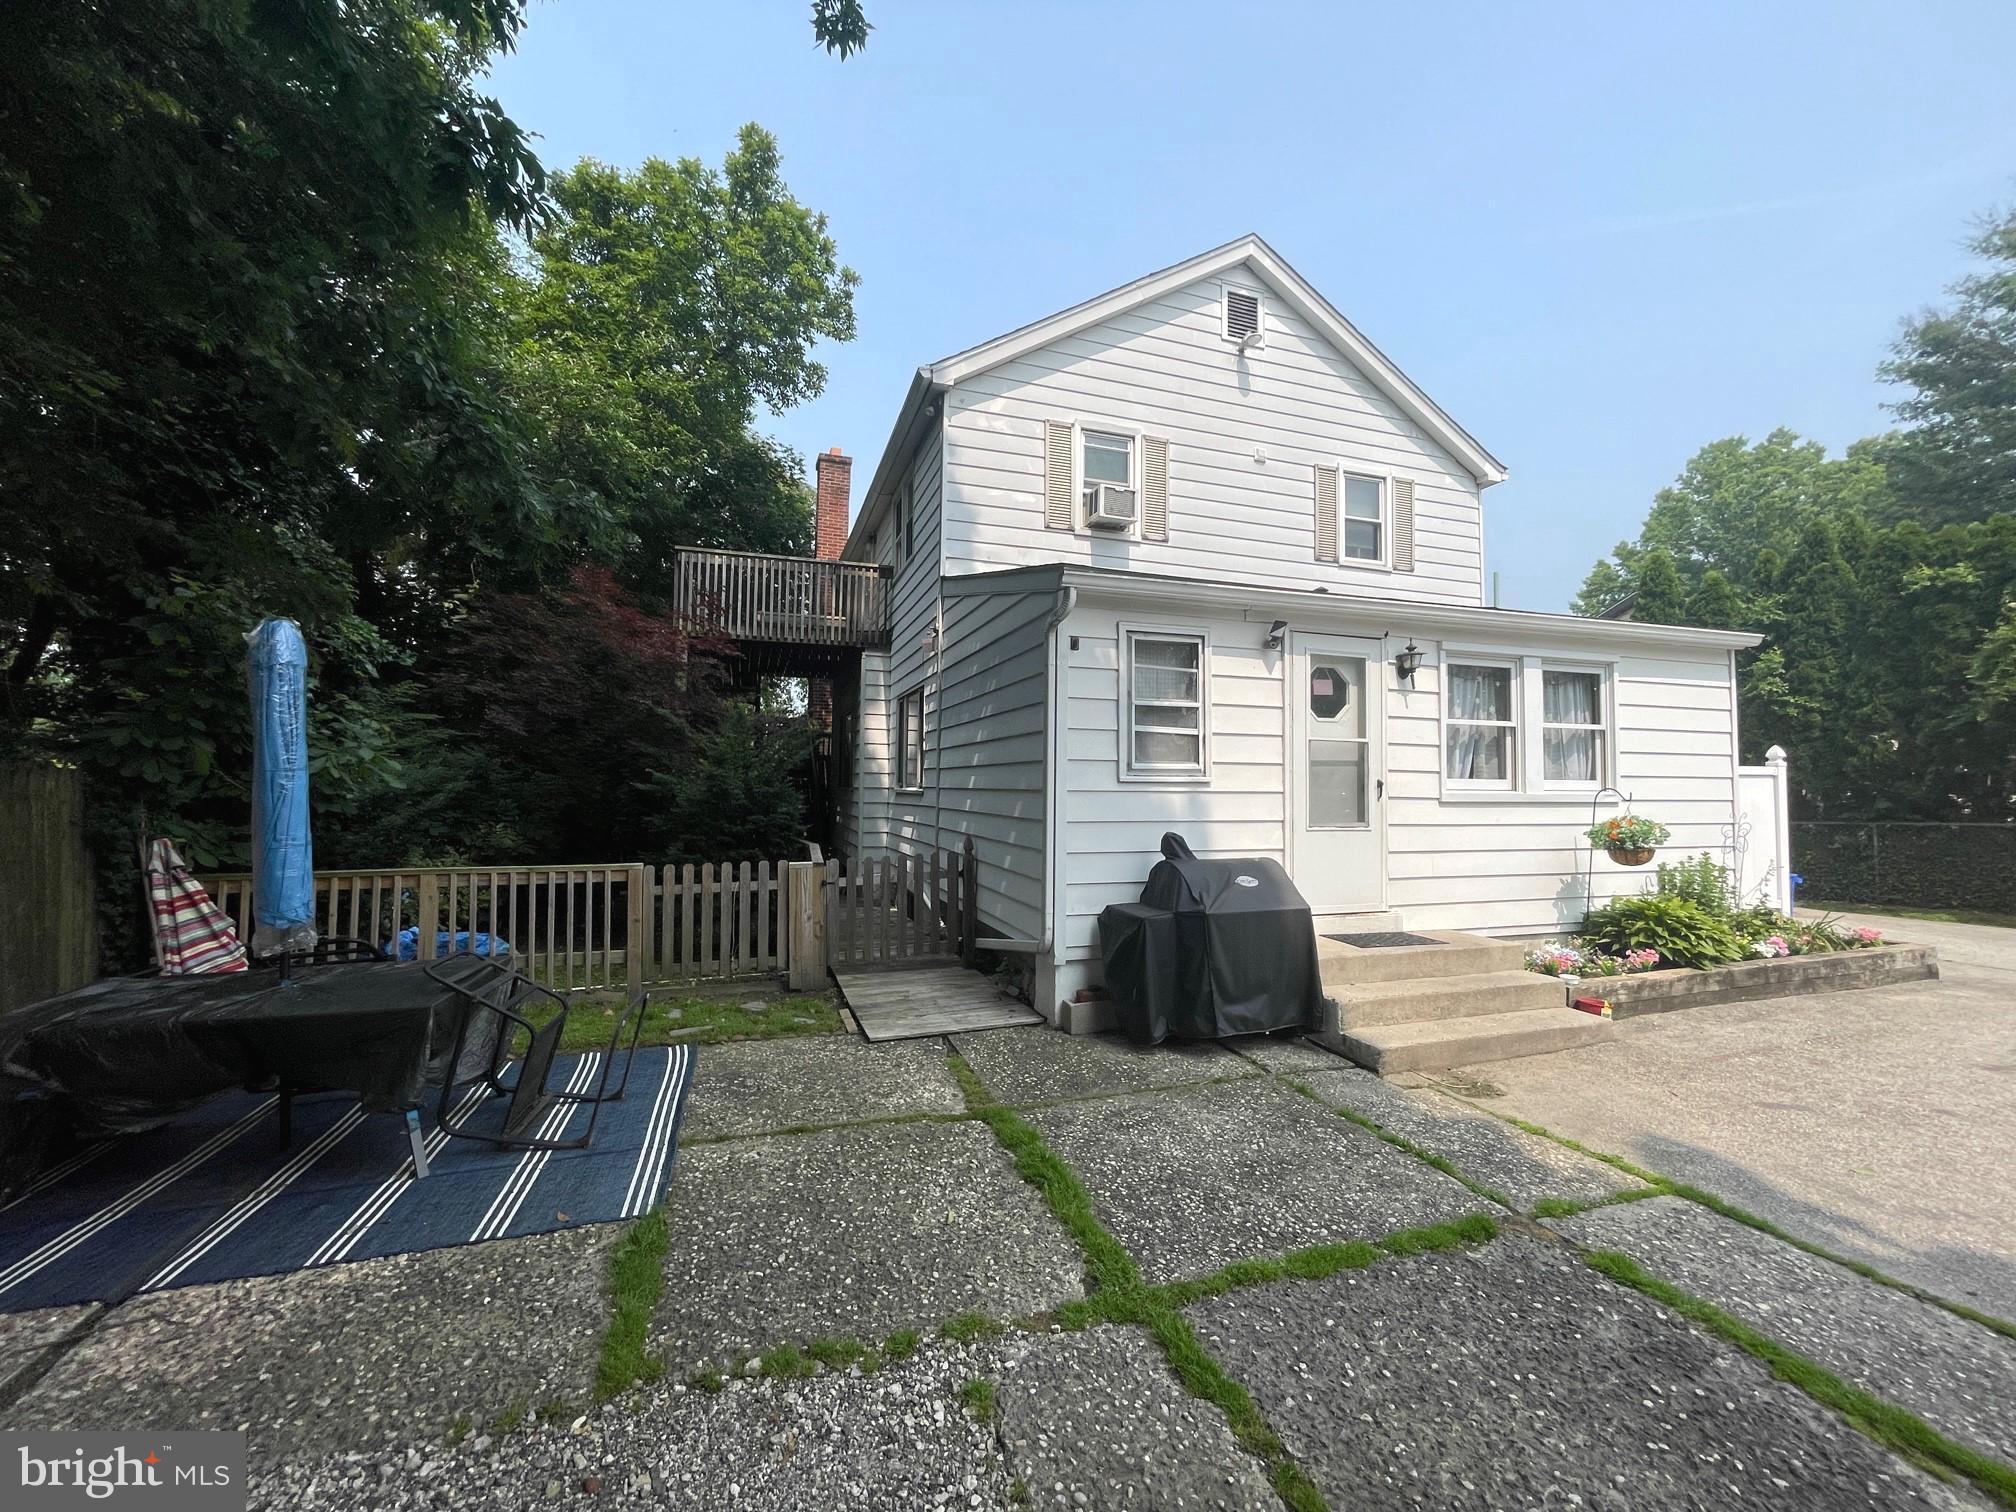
<point x="1600" y="235"/>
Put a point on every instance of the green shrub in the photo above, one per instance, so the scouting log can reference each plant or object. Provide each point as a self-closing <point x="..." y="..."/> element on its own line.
<point x="1684" y="933"/>
<point x="1703" y="881"/>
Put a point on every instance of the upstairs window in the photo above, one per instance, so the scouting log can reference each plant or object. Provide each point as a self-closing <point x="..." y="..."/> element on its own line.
<point x="1483" y="730"/>
<point x="1164" y="691"/>
<point x="1109" y="458"/>
<point x="1364" y="519"/>
<point x="906" y="509"/>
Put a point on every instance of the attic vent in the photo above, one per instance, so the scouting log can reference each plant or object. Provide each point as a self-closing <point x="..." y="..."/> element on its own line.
<point x="1242" y="316"/>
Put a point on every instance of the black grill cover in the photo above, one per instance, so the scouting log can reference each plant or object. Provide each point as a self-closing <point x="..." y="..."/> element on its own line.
<point x="1213" y="949"/>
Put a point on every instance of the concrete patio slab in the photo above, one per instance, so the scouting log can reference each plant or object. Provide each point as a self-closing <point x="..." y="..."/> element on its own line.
<point x="1095" y="1419"/>
<point x="761" y="1085"/>
<point x="1191" y="1180"/>
<point x="1880" y="1125"/>
<point x="851" y="1232"/>
<point x="1025" y="1066"/>
<point x="26" y="1336"/>
<point x="377" y="1352"/>
<point x="897" y="1439"/>
<point x="1957" y="1375"/>
<point x="1286" y="1055"/>
<point x="1514" y="1376"/>
<point x="1524" y="1167"/>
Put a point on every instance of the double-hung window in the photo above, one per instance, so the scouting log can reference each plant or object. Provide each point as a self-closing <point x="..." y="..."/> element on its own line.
<point x="1109" y="458"/>
<point x="1364" y="519"/>
<point x="910" y="740"/>
<point x="1482" y="724"/>
<point x="1163" y="684"/>
<point x="1572" y="727"/>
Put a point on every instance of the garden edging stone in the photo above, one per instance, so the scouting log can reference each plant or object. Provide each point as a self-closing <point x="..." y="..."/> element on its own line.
<point x="1741" y="981"/>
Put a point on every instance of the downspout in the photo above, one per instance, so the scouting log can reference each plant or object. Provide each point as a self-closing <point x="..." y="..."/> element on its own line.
<point x="1053" y="768"/>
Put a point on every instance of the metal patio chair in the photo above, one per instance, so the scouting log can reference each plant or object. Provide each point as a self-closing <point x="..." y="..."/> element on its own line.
<point x="494" y="996"/>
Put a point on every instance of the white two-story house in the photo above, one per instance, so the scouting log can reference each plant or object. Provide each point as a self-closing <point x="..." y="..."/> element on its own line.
<point x="1195" y="555"/>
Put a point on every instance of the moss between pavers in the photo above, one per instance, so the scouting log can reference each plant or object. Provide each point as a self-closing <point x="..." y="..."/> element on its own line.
<point x="1897" y="1430"/>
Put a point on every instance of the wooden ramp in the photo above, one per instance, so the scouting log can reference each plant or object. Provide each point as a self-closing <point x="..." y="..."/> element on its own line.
<point x="893" y="1005"/>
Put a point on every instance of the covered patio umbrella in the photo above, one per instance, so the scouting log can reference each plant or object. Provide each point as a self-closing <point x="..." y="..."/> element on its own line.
<point x="283" y="855"/>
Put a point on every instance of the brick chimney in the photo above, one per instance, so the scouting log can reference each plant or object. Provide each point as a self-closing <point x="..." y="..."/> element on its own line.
<point x="829" y="538"/>
<point x="836" y="474"/>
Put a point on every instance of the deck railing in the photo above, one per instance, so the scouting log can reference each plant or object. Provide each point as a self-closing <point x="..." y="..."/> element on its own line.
<point x="749" y="596"/>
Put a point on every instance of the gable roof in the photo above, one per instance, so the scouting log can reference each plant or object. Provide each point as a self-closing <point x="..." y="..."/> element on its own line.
<point x="1249" y="252"/>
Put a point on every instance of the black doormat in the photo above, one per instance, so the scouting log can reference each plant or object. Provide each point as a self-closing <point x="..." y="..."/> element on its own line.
<point x="1382" y="940"/>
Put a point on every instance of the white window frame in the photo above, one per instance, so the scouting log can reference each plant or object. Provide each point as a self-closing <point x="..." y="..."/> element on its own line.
<point x="1514" y="752"/>
<point x="1136" y="443"/>
<point x="1605" y="728"/>
<point x="906" y="517"/>
<point x="903" y="741"/>
<point x="1384" y="561"/>
<point x="1130" y="770"/>
<point x="1225" y="310"/>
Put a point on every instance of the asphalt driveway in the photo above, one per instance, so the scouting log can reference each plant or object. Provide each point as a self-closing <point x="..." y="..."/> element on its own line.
<point x="1880" y="1124"/>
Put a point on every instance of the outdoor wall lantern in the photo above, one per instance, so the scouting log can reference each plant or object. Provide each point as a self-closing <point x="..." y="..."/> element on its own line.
<point x="1277" y="634"/>
<point x="1407" y="662"/>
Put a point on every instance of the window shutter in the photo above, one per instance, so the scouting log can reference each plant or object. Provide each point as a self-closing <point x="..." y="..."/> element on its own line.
<point x="1326" y="513"/>
<point x="1058" y="505"/>
<point x="1403" y="524"/>
<point x="1154" y="488"/>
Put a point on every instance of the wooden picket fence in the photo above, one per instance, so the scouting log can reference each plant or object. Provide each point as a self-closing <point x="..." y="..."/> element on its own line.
<point x="897" y="909"/>
<point x="580" y="927"/>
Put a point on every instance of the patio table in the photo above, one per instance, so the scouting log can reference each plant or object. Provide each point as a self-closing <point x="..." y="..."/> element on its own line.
<point x="128" y="1053"/>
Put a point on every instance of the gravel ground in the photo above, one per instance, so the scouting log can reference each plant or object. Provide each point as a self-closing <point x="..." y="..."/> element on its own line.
<point x="1095" y="1419"/>
<point x="897" y="1439"/>
<point x="1957" y="1375"/>
<point x="380" y="1351"/>
<point x="1023" y="1066"/>
<point x="852" y="1232"/>
<point x="1190" y="1181"/>
<point x="756" y="1085"/>
<point x="1523" y="1166"/>
<point x="1514" y="1376"/>
<point x="25" y="1336"/>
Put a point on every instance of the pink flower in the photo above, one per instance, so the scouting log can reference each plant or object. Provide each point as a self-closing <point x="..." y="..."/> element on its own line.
<point x="1867" y="936"/>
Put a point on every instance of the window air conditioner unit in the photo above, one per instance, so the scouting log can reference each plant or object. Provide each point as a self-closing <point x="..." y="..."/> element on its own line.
<point x="1108" y="506"/>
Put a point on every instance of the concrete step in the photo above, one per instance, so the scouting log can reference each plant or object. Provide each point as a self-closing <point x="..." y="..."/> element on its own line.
<point x="1437" y="1044"/>
<point x="1453" y="954"/>
<point x="1477" y="995"/>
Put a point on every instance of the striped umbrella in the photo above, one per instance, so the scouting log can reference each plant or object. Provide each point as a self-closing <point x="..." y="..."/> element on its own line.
<point x="192" y="935"/>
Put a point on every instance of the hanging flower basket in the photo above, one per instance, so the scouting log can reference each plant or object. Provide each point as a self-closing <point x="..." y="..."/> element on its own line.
<point x="1628" y="839"/>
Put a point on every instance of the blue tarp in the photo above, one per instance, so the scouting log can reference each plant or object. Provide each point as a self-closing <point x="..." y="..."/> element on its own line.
<point x="406" y="946"/>
<point x="283" y="854"/>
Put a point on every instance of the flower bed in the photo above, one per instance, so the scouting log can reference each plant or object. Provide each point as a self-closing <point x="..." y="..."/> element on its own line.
<point x="1682" y="943"/>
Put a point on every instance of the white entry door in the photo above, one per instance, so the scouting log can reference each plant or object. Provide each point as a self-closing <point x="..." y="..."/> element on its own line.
<point x="1337" y="773"/>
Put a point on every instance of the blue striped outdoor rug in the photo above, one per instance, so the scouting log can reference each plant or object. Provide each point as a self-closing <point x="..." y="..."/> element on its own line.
<point x="213" y="1196"/>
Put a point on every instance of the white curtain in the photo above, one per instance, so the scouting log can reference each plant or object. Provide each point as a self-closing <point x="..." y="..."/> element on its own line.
<point x="1478" y="753"/>
<point x="1572" y="698"/>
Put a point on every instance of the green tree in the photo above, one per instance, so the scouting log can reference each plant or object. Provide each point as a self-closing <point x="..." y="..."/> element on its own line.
<point x="1957" y="461"/>
<point x="1662" y="597"/>
<point x="1715" y="603"/>
<point x="662" y="307"/>
<point x="1735" y="501"/>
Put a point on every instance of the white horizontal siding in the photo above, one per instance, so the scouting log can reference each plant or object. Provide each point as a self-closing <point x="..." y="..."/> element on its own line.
<point x="992" y="739"/>
<point x="1512" y="864"/>
<point x="1163" y="369"/>
<point x="889" y="819"/>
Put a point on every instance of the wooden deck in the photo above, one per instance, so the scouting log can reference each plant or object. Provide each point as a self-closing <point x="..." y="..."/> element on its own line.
<point x="893" y="1005"/>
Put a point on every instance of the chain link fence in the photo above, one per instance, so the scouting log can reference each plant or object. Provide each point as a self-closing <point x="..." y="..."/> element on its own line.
<point x="1907" y="864"/>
